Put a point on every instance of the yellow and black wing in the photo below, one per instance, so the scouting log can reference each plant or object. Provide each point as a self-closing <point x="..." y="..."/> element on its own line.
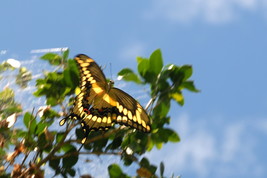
<point x="98" y="106"/>
<point x="129" y="112"/>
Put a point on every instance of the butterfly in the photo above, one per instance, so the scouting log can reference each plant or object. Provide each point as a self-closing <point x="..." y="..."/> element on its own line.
<point x="99" y="105"/>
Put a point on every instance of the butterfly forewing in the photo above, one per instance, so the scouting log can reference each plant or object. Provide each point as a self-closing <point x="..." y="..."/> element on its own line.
<point x="98" y="106"/>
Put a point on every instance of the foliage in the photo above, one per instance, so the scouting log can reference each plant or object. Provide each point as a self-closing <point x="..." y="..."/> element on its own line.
<point x="41" y="143"/>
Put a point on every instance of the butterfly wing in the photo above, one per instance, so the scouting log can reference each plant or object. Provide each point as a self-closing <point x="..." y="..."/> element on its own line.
<point x="98" y="106"/>
<point x="91" y="76"/>
<point x="128" y="111"/>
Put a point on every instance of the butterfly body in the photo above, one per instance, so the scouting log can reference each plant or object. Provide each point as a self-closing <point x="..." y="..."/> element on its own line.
<point x="99" y="105"/>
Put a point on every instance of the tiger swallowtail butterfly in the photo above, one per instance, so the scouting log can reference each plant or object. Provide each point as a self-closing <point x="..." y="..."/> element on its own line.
<point x="99" y="105"/>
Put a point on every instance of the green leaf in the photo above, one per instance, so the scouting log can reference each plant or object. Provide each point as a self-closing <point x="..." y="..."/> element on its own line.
<point x="52" y="58"/>
<point x="79" y="133"/>
<point x="161" y="168"/>
<point x="116" y="143"/>
<point x="71" y="159"/>
<point x="59" y="136"/>
<point x="54" y="163"/>
<point x="128" y="75"/>
<point x="66" y="54"/>
<point x="189" y="85"/>
<point x="50" y="113"/>
<point x="144" y="163"/>
<point x="71" y="74"/>
<point x="131" y="139"/>
<point x="71" y="172"/>
<point x="127" y="159"/>
<point x="115" y="171"/>
<point x="51" y="101"/>
<point x="100" y="144"/>
<point x="41" y="127"/>
<point x="42" y="141"/>
<point x="159" y="145"/>
<point x="168" y="135"/>
<point x="174" y="137"/>
<point x="68" y="148"/>
<point x="23" y="77"/>
<point x="176" y="75"/>
<point x="187" y="71"/>
<point x="26" y="119"/>
<point x="156" y="62"/>
<point x="33" y="126"/>
<point x="8" y="105"/>
<point x="146" y="169"/>
<point x="143" y="66"/>
<point x="178" y="97"/>
<point x="162" y="107"/>
<point x="145" y="70"/>
<point x="29" y="122"/>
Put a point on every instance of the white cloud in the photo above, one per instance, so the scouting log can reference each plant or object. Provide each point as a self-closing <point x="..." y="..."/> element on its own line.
<point x="214" y="149"/>
<point x="232" y="142"/>
<point x="212" y="11"/>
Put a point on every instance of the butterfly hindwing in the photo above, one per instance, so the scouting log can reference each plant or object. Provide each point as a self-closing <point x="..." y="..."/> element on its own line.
<point x="98" y="106"/>
<point x="129" y="111"/>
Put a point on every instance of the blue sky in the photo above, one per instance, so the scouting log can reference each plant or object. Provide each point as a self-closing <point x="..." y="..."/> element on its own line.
<point x="223" y="128"/>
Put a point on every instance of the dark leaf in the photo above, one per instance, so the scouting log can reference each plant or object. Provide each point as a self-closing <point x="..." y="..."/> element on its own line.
<point x="161" y="169"/>
<point x="168" y="135"/>
<point x="116" y="143"/>
<point x="54" y="163"/>
<point x="71" y="172"/>
<point x="162" y="107"/>
<point x="144" y="162"/>
<point x="71" y="159"/>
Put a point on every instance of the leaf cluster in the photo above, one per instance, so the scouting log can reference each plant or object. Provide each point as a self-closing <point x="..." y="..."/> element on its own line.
<point x="166" y="84"/>
<point x="41" y="143"/>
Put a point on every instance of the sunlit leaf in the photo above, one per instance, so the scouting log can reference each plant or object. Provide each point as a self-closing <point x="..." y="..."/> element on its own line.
<point x="52" y="58"/>
<point x="143" y="66"/>
<point x="27" y="118"/>
<point x="189" y="85"/>
<point x="128" y="75"/>
<point x="115" y="171"/>
<point x="178" y="97"/>
<point x="156" y="62"/>
<point x="187" y="71"/>
<point x="66" y="54"/>
<point x="23" y="77"/>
